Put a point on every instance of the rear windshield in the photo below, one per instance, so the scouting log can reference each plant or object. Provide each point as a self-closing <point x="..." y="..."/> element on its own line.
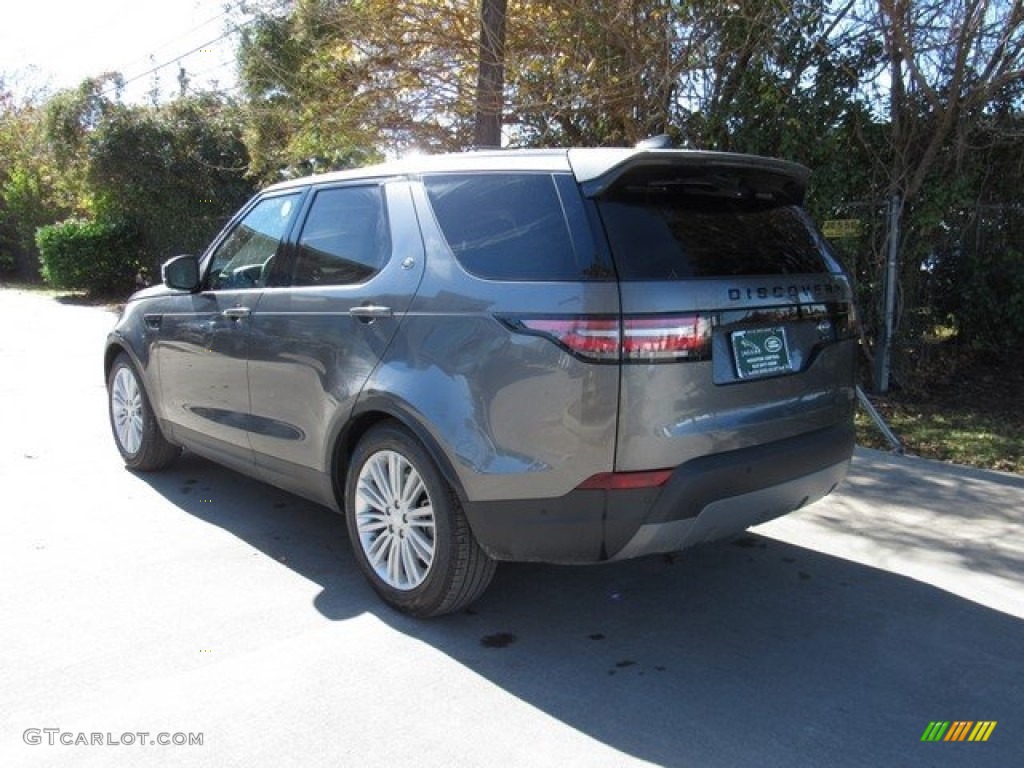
<point x="514" y="226"/>
<point x="665" y="235"/>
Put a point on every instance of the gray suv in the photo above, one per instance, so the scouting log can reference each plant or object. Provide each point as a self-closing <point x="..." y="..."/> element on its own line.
<point x="565" y="356"/>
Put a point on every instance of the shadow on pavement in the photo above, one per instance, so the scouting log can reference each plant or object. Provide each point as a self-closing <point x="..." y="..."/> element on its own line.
<point x="751" y="652"/>
<point x="971" y="517"/>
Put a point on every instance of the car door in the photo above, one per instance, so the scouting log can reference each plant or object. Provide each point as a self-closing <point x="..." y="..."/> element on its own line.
<point x="357" y="264"/>
<point x="203" y="338"/>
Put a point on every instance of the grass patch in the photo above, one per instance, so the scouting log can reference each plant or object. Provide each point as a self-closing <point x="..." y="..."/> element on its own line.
<point x="966" y="412"/>
<point x="960" y="435"/>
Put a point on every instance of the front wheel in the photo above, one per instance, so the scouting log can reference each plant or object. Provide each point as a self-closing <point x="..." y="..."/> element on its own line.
<point x="136" y="431"/>
<point x="409" y="532"/>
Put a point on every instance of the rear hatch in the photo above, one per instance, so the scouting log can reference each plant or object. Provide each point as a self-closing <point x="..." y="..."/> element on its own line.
<point x="736" y="320"/>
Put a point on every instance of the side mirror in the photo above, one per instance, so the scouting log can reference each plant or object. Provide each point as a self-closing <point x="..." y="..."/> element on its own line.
<point x="181" y="273"/>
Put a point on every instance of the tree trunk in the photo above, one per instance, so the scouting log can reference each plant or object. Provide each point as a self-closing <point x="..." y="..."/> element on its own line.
<point x="491" y="77"/>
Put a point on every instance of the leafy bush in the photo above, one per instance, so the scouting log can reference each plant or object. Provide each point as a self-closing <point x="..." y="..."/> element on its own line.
<point x="991" y="317"/>
<point x="177" y="171"/>
<point x="8" y="265"/>
<point x="99" y="256"/>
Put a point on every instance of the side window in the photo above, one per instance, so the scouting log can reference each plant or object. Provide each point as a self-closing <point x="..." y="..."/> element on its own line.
<point x="344" y="239"/>
<point x="244" y="259"/>
<point x="511" y="226"/>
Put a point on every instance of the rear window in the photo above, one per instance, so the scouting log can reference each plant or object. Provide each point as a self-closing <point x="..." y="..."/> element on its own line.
<point x="514" y="226"/>
<point x="665" y="234"/>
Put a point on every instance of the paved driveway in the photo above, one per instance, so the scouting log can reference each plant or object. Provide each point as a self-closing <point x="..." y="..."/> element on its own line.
<point x="199" y="602"/>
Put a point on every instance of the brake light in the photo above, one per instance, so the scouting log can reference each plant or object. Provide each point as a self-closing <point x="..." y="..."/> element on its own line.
<point x="635" y="338"/>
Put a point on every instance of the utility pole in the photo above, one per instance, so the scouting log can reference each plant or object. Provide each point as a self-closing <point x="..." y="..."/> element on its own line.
<point x="182" y="81"/>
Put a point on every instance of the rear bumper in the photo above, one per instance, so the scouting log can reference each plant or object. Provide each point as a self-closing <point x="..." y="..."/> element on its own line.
<point x="705" y="499"/>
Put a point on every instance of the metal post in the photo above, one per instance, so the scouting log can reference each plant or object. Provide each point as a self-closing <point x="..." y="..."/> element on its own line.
<point x="883" y="360"/>
<point x="890" y="437"/>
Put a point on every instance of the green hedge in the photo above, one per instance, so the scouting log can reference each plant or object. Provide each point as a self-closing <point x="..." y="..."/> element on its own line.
<point x="8" y="265"/>
<point x="98" y="256"/>
<point x="991" y="314"/>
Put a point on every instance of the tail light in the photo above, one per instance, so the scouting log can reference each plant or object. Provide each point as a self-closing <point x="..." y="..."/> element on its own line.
<point x="632" y="339"/>
<point x="593" y="339"/>
<point x="622" y="481"/>
<point x="673" y="337"/>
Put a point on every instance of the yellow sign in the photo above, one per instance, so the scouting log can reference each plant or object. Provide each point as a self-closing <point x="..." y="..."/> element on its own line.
<point x="837" y="228"/>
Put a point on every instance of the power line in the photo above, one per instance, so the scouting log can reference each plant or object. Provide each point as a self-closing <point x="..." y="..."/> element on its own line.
<point x="173" y="40"/>
<point x="177" y="59"/>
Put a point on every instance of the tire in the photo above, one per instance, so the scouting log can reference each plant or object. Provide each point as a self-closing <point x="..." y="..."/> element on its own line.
<point x="137" y="433"/>
<point x="408" y="530"/>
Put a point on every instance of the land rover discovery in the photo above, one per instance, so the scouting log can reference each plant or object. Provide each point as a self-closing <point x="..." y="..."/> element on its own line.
<point x="567" y="356"/>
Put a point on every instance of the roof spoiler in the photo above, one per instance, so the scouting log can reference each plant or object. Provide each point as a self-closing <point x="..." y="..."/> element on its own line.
<point x="598" y="170"/>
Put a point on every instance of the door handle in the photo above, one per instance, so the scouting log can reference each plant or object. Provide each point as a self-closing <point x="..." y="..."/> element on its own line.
<point x="236" y="313"/>
<point x="370" y="311"/>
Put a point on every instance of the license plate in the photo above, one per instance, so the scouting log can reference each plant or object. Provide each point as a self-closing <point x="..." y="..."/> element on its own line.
<point x="761" y="352"/>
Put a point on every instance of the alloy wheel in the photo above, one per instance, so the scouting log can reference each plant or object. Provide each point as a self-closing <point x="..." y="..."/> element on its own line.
<point x="395" y="520"/>
<point x="126" y="409"/>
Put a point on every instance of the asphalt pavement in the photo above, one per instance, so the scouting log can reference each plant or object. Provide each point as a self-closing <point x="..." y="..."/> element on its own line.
<point x="196" y="604"/>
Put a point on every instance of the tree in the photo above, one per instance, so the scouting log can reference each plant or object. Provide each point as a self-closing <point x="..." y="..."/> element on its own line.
<point x="946" y="62"/>
<point x="332" y="84"/>
<point x="591" y="73"/>
<point x="168" y="175"/>
<point x="177" y="171"/>
<point x="34" y="190"/>
<point x="491" y="73"/>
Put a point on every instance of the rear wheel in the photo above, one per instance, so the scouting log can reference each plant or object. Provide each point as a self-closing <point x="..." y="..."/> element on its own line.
<point x="136" y="432"/>
<point x="408" y="530"/>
